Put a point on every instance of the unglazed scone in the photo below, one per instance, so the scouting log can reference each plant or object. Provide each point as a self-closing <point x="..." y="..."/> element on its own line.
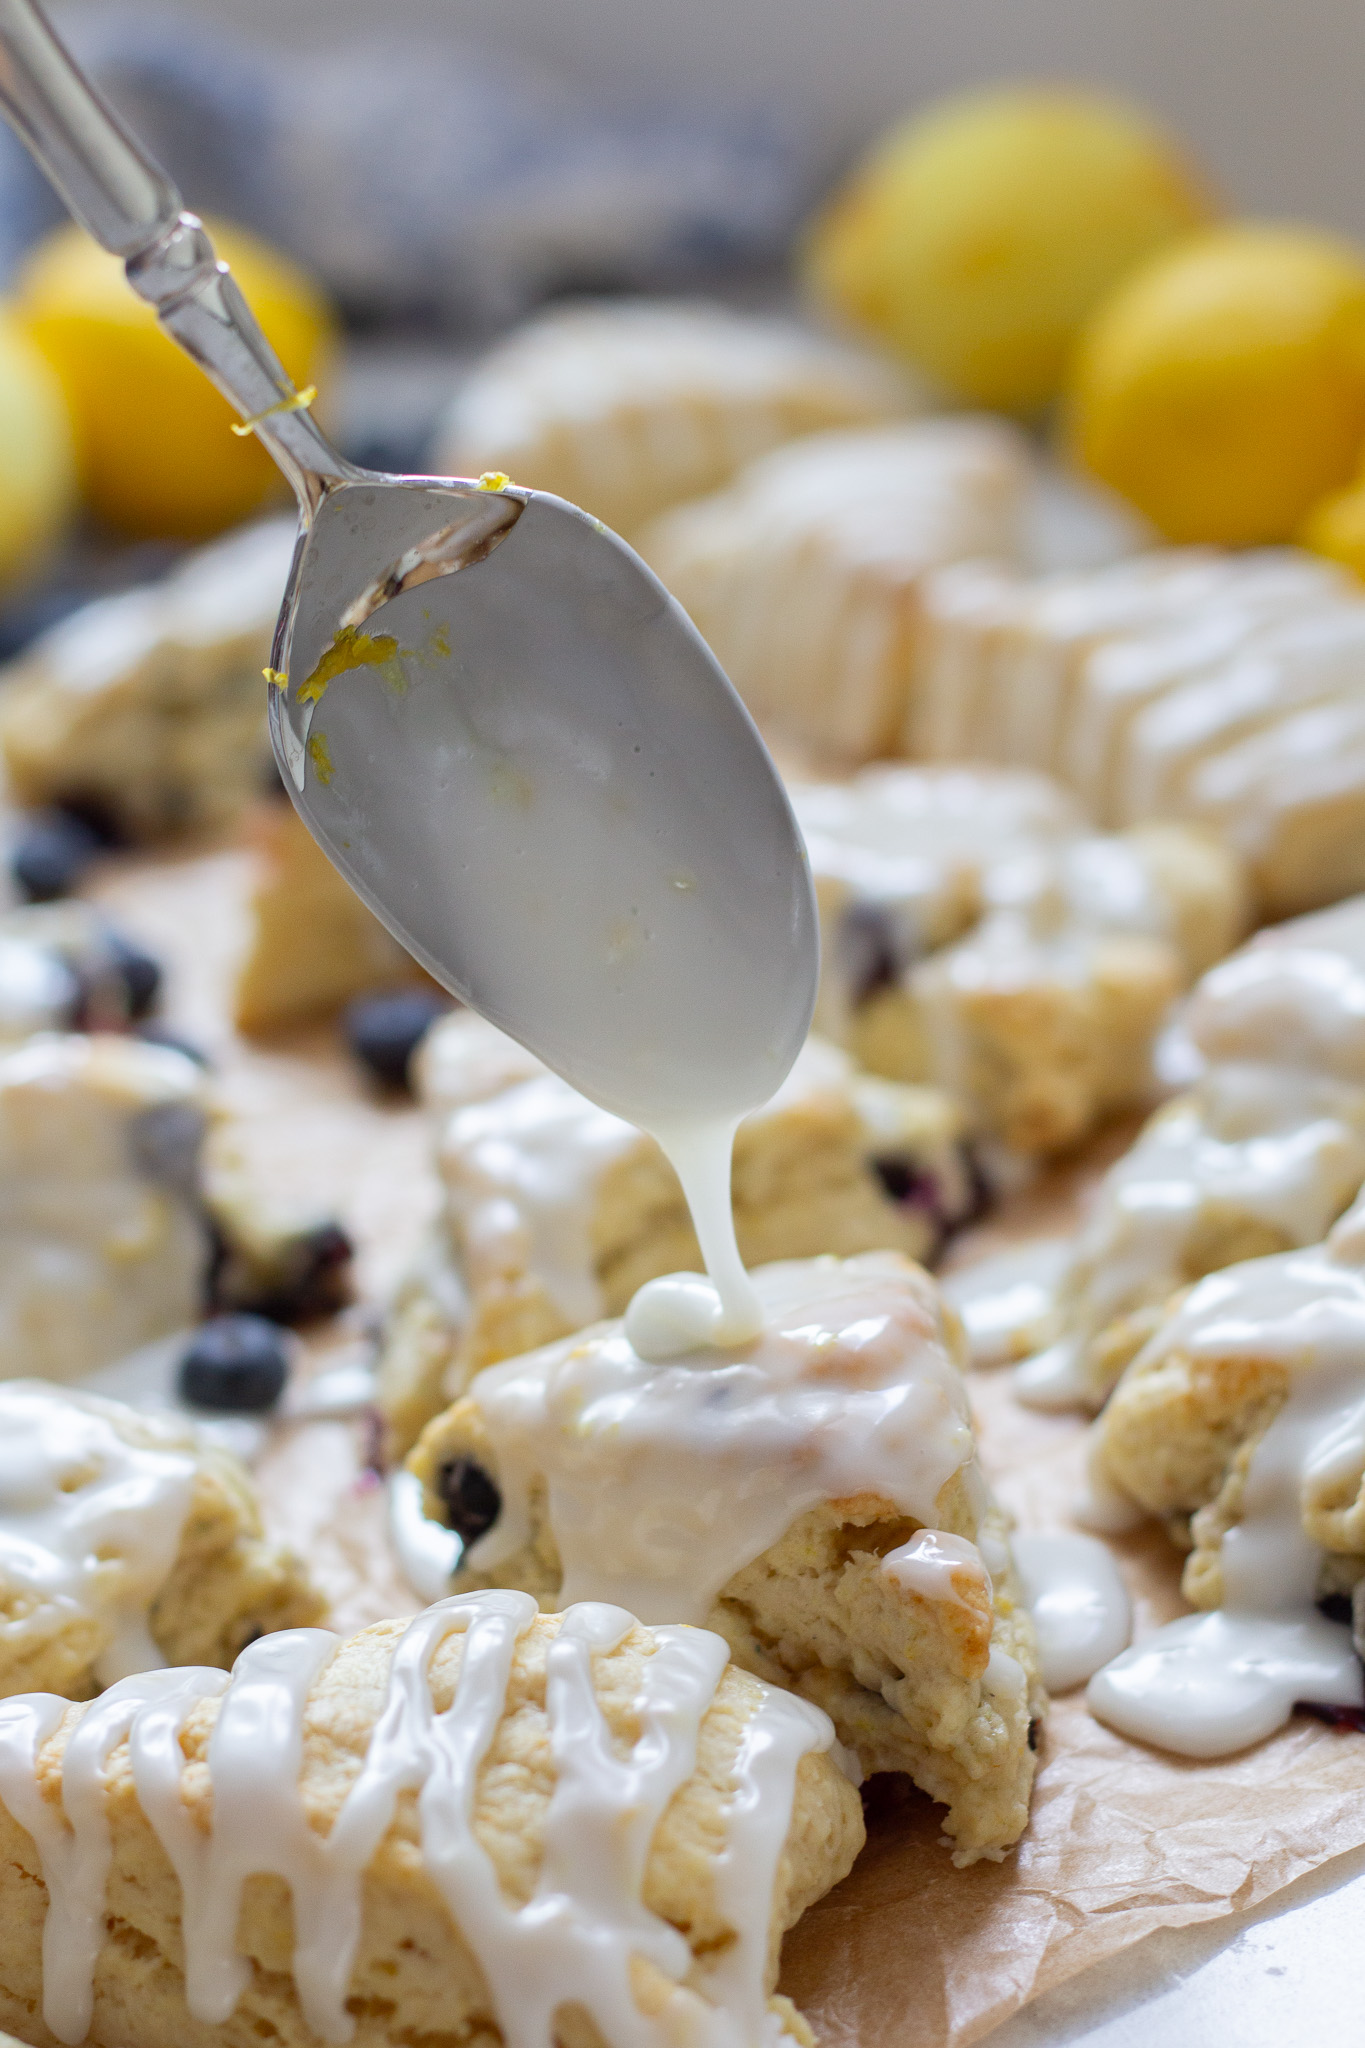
<point x="148" y="709"/>
<point x="1185" y="684"/>
<point x="479" y="1818"/>
<point x="1259" y="1156"/>
<point x="811" y="1495"/>
<point x="62" y="967"/>
<point x="1069" y="946"/>
<point x="103" y="1242"/>
<point x="627" y="406"/>
<point x="313" y="944"/>
<point x="806" y="574"/>
<point x="126" y="1543"/>
<point x="555" y="1211"/>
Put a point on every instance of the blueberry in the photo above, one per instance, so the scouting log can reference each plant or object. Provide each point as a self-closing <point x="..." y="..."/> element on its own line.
<point x="236" y="1364"/>
<point x="383" y="1031"/>
<point x="139" y="972"/>
<point x="1336" y="1607"/>
<point x="906" y="1181"/>
<point x="472" y="1501"/>
<point x="51" y="853"/>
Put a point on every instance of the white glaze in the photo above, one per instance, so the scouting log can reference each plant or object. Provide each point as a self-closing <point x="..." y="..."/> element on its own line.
<point x="1004" y="1300"/>
<point x="1212" y="1683"/>
<point x="88" y="1522"/>
<point x="665" y="1479"/>
<point x="572" y="1942"/>
<point x="934" y="1565"/>
<point x="1079" y="1604"/>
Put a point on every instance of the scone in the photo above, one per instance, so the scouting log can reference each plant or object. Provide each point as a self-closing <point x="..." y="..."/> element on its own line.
<point x="103" y="1242"/>
<point x="812" y="1496"/>
<point x="481" y="1825"/>
<point x="555" y="1211"/>
<point x="126" y="1544"/>
<point x="1186" y="684"/>
<point x="127" y="1209"/>
<point x="806" y="574"/>
<point x="313" y="944"/>
<point x="1040" y="1020"/>
<point x="147" y="710"/>
<point x="627" y="406"/>
<point x="1259" y="1156"/>
<point x="63" y="967"/>
<point x="1239" y="1425"/>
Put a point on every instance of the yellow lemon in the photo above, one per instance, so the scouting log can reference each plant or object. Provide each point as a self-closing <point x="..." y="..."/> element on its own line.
<point x="976" y="238"/>
<point x="1222" y="388"/>
<point x="153" y="446"/>
<point x="37" y="470"/>
<point x="1335" y="527"/>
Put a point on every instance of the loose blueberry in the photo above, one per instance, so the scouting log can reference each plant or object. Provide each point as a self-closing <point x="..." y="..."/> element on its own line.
<point x="384" y="1031"/>
<point x="50" y="855"/>
<point x="472" y="1501"/>
<point x="235" y="1364"/>
<point x="1336" y="1607"/>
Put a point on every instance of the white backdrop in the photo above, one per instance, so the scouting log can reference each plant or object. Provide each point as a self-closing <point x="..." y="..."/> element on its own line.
<point x="1272" y="92"/>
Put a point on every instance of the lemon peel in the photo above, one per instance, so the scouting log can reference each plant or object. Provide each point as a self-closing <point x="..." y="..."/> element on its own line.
<point x="297" y="401"/>
<point x="350" y="649"/>
<point x="321" y="758"/>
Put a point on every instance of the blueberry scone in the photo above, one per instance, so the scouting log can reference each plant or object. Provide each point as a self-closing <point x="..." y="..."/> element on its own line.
<point x="126" y="1544"/>
<point x="1226" y="690"/>
<point x="103" y="1244"/>
<point x="1068" y="946"/>
<point x="64" y="967"/>
<point x="812" y="1496"/>
<point x="555" y="1211"/>
<point x="1259" y="1156"/>
<point x="1239" y="1426"/>
<point x="313" y="944"/>
<point x="629" y="406"/>
<point x="484" y="1824"/>
<point x="147" y="710"/>
<point x="806" y="574"/>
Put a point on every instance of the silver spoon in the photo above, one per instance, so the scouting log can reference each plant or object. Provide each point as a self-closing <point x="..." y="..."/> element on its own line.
<point x="490" y="714"/>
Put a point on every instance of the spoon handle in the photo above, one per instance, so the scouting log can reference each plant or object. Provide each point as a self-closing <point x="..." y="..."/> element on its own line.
<point x="120" y="194"/>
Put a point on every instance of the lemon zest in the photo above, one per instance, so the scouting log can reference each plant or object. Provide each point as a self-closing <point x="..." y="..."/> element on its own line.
<point x="321" y="758"/>
<point x="494" y="480"/>
<point x="277" y="676"/>
<point x="350" y="649"/>
<point x="297" y="401"/>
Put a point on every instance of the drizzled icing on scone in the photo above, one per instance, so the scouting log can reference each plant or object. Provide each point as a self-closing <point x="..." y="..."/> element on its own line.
<point x="577" y="1940"/>
<point x="1213" y="1683"/>
<point x="664" y="1478"/>
<point x="89" y="1522"/>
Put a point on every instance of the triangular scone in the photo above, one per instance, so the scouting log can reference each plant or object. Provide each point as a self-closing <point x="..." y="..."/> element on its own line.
<point x="627" y="406"/>
<point x="127" y="1542"/>
<point x="805" y="574"/>
<point x="556" y="1211"/>
<point x="148" y="709"/>
<point x="446" y="1829"/>
<point x="313" y="944"/>
<point x="1067" y="946"/>
<point x="1260" y="1155"/>
<point x="813" y="1496"/>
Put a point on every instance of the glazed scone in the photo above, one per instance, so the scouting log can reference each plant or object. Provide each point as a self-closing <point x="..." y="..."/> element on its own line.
<point x="490" y="1825"/>
<point x="1260" y="1155"/>
<point x="806" y="575"/>
<point x="1008" y="658"/>
<point x="313" y="944"/>
<point x="148" y="708"/>
<point x="103" y="1244"/>
<point x="1070" y="945"/>
<point x="811" y="1495"/>
<point x="1228" y="691"/>
<point x="126" y="1543"/>
<point x="555" y="1211"/>
<point x="628" y="406"/>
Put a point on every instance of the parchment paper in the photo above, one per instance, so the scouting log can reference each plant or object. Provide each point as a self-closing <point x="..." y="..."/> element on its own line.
<point x="907" y="1952"/>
